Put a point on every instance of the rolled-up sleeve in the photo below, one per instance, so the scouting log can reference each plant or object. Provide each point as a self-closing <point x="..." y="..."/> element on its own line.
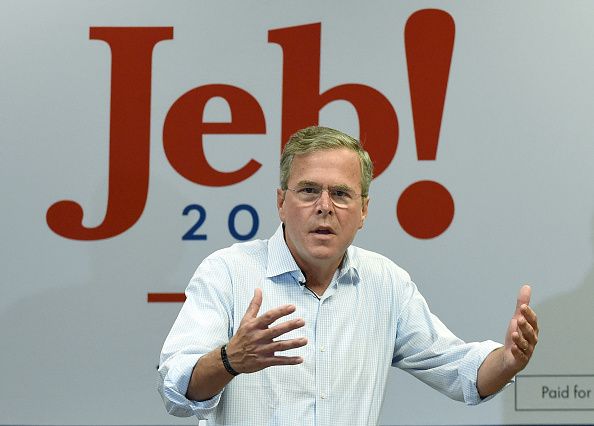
<point x="468" y="370"/>
<point x="203" y="324"/>
<point x="173" y="385"/>
<point x="428" y="350"/>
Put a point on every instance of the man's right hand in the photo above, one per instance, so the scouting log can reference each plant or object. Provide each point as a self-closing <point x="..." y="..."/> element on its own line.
<point x="253" y="347"/>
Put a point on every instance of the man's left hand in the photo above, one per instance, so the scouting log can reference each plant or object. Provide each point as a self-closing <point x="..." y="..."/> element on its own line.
<point x="522" y="333"/>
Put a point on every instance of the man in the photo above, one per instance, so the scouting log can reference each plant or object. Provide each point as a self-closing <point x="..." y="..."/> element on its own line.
<point x="238" y="354"/>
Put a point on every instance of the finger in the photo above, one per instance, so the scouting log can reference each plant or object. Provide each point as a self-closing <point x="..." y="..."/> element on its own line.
<point x="523" y="298"/>
<point x="272" y="315"/>
<point x="254" y="306"/>
<point x="519" y="355"/>
<point x="530" y="316"/>
<point x="522" y="344"/>
<point x="284" y="345"/>
<point x="283" y="328"/>
<point x="282" y="360"/>
<point x="528" y="333"/>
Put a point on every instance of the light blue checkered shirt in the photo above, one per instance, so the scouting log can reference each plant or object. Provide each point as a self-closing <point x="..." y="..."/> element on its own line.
<point x="370" y="317"/>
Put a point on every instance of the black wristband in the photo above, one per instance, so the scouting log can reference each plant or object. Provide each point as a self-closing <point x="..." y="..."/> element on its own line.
<point x="226" y="363"/>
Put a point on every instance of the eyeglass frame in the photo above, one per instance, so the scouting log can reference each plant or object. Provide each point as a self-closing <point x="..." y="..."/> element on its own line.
<point x="313" y="185"/>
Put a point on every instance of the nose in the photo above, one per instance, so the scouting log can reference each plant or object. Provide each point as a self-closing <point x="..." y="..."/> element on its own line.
<point x="325" y="206"/>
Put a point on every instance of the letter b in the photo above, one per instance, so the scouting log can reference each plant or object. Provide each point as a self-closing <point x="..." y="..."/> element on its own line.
<point x="302" y="101"/>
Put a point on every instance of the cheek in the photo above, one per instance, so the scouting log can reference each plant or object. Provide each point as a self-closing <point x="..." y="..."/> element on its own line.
<point x="354" y="222"/>
<point x="292" y="216"/>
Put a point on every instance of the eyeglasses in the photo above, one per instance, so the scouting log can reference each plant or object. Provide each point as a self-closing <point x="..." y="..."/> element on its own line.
<point x="341" y="197"/>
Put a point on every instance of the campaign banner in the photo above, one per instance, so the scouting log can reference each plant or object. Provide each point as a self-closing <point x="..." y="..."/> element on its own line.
<point x="140" y="136"/>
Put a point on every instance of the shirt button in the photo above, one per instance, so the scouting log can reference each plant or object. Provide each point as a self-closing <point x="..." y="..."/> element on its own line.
<point x="322" y="348"/>
<point x="323" y="396"/>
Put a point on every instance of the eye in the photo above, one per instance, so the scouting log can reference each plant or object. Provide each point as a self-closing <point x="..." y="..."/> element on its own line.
<point x="341" y="193"/>
<point x="309" y="190"/>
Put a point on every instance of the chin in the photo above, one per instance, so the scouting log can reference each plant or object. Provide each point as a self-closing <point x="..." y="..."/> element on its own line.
<point x="323" y="253"/>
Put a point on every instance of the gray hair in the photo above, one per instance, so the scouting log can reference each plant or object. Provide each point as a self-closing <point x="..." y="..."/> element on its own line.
<point x="316" y="138"/>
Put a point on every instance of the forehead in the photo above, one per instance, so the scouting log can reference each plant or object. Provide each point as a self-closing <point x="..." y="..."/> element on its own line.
<point x="327" y="167"/>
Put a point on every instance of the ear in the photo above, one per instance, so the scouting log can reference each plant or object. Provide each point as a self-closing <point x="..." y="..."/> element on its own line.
<point x="280" y="202"/>
<point x="364" y="210"/>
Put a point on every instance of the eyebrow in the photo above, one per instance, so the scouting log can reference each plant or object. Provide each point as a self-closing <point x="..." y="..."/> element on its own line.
<point x="341" y="187"/>
<point x="307" y="183"/>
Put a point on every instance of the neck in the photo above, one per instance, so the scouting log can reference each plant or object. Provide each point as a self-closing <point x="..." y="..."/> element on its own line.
<point x="319" y="276"/>
<point x="318" y="272"/>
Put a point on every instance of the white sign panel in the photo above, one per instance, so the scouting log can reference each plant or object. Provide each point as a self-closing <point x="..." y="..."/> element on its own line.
<point x="138" y="137"/>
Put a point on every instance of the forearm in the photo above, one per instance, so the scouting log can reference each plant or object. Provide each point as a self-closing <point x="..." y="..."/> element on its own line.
<point x="493" y="374"/>
<point x="208" y="378"/>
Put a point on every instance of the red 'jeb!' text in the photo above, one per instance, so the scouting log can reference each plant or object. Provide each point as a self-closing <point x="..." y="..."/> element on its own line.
<point x="184" y="127"/>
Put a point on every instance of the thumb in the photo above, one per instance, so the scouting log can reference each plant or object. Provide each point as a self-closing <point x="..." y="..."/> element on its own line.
<point x="523" y="298"/>
<point x="254" y="306"/>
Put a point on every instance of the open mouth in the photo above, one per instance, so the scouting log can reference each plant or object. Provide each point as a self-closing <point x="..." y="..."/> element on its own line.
<point x="323" y="231"/>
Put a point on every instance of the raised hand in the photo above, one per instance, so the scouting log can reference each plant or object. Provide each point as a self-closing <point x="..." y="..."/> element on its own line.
<point x="522" y="333"/>
<point x="253" y="347"/>
<point x="504" y="363"/>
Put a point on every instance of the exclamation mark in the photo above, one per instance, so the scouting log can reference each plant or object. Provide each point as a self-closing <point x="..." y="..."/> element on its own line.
<point x="426" y="209"/>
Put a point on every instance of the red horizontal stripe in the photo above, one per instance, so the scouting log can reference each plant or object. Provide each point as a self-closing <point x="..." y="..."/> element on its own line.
<point x="166" y="297"/>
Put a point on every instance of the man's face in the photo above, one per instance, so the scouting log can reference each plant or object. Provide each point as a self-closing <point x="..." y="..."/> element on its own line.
<point x="318" y="234"/>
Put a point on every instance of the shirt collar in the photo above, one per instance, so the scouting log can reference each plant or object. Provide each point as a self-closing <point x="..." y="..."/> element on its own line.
<point x="281" y="261"/>
<point x="349" y="266"/>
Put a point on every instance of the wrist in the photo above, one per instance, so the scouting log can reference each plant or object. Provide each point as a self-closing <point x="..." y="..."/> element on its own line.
<point x="226" y="363"/>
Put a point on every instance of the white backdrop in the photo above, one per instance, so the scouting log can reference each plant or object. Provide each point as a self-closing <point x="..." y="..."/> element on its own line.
<point x="79" y="341"/>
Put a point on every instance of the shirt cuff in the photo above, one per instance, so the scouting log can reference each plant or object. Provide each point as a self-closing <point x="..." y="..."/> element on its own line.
<point x="469" y="371"/>
<point x="175" y="386"/>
